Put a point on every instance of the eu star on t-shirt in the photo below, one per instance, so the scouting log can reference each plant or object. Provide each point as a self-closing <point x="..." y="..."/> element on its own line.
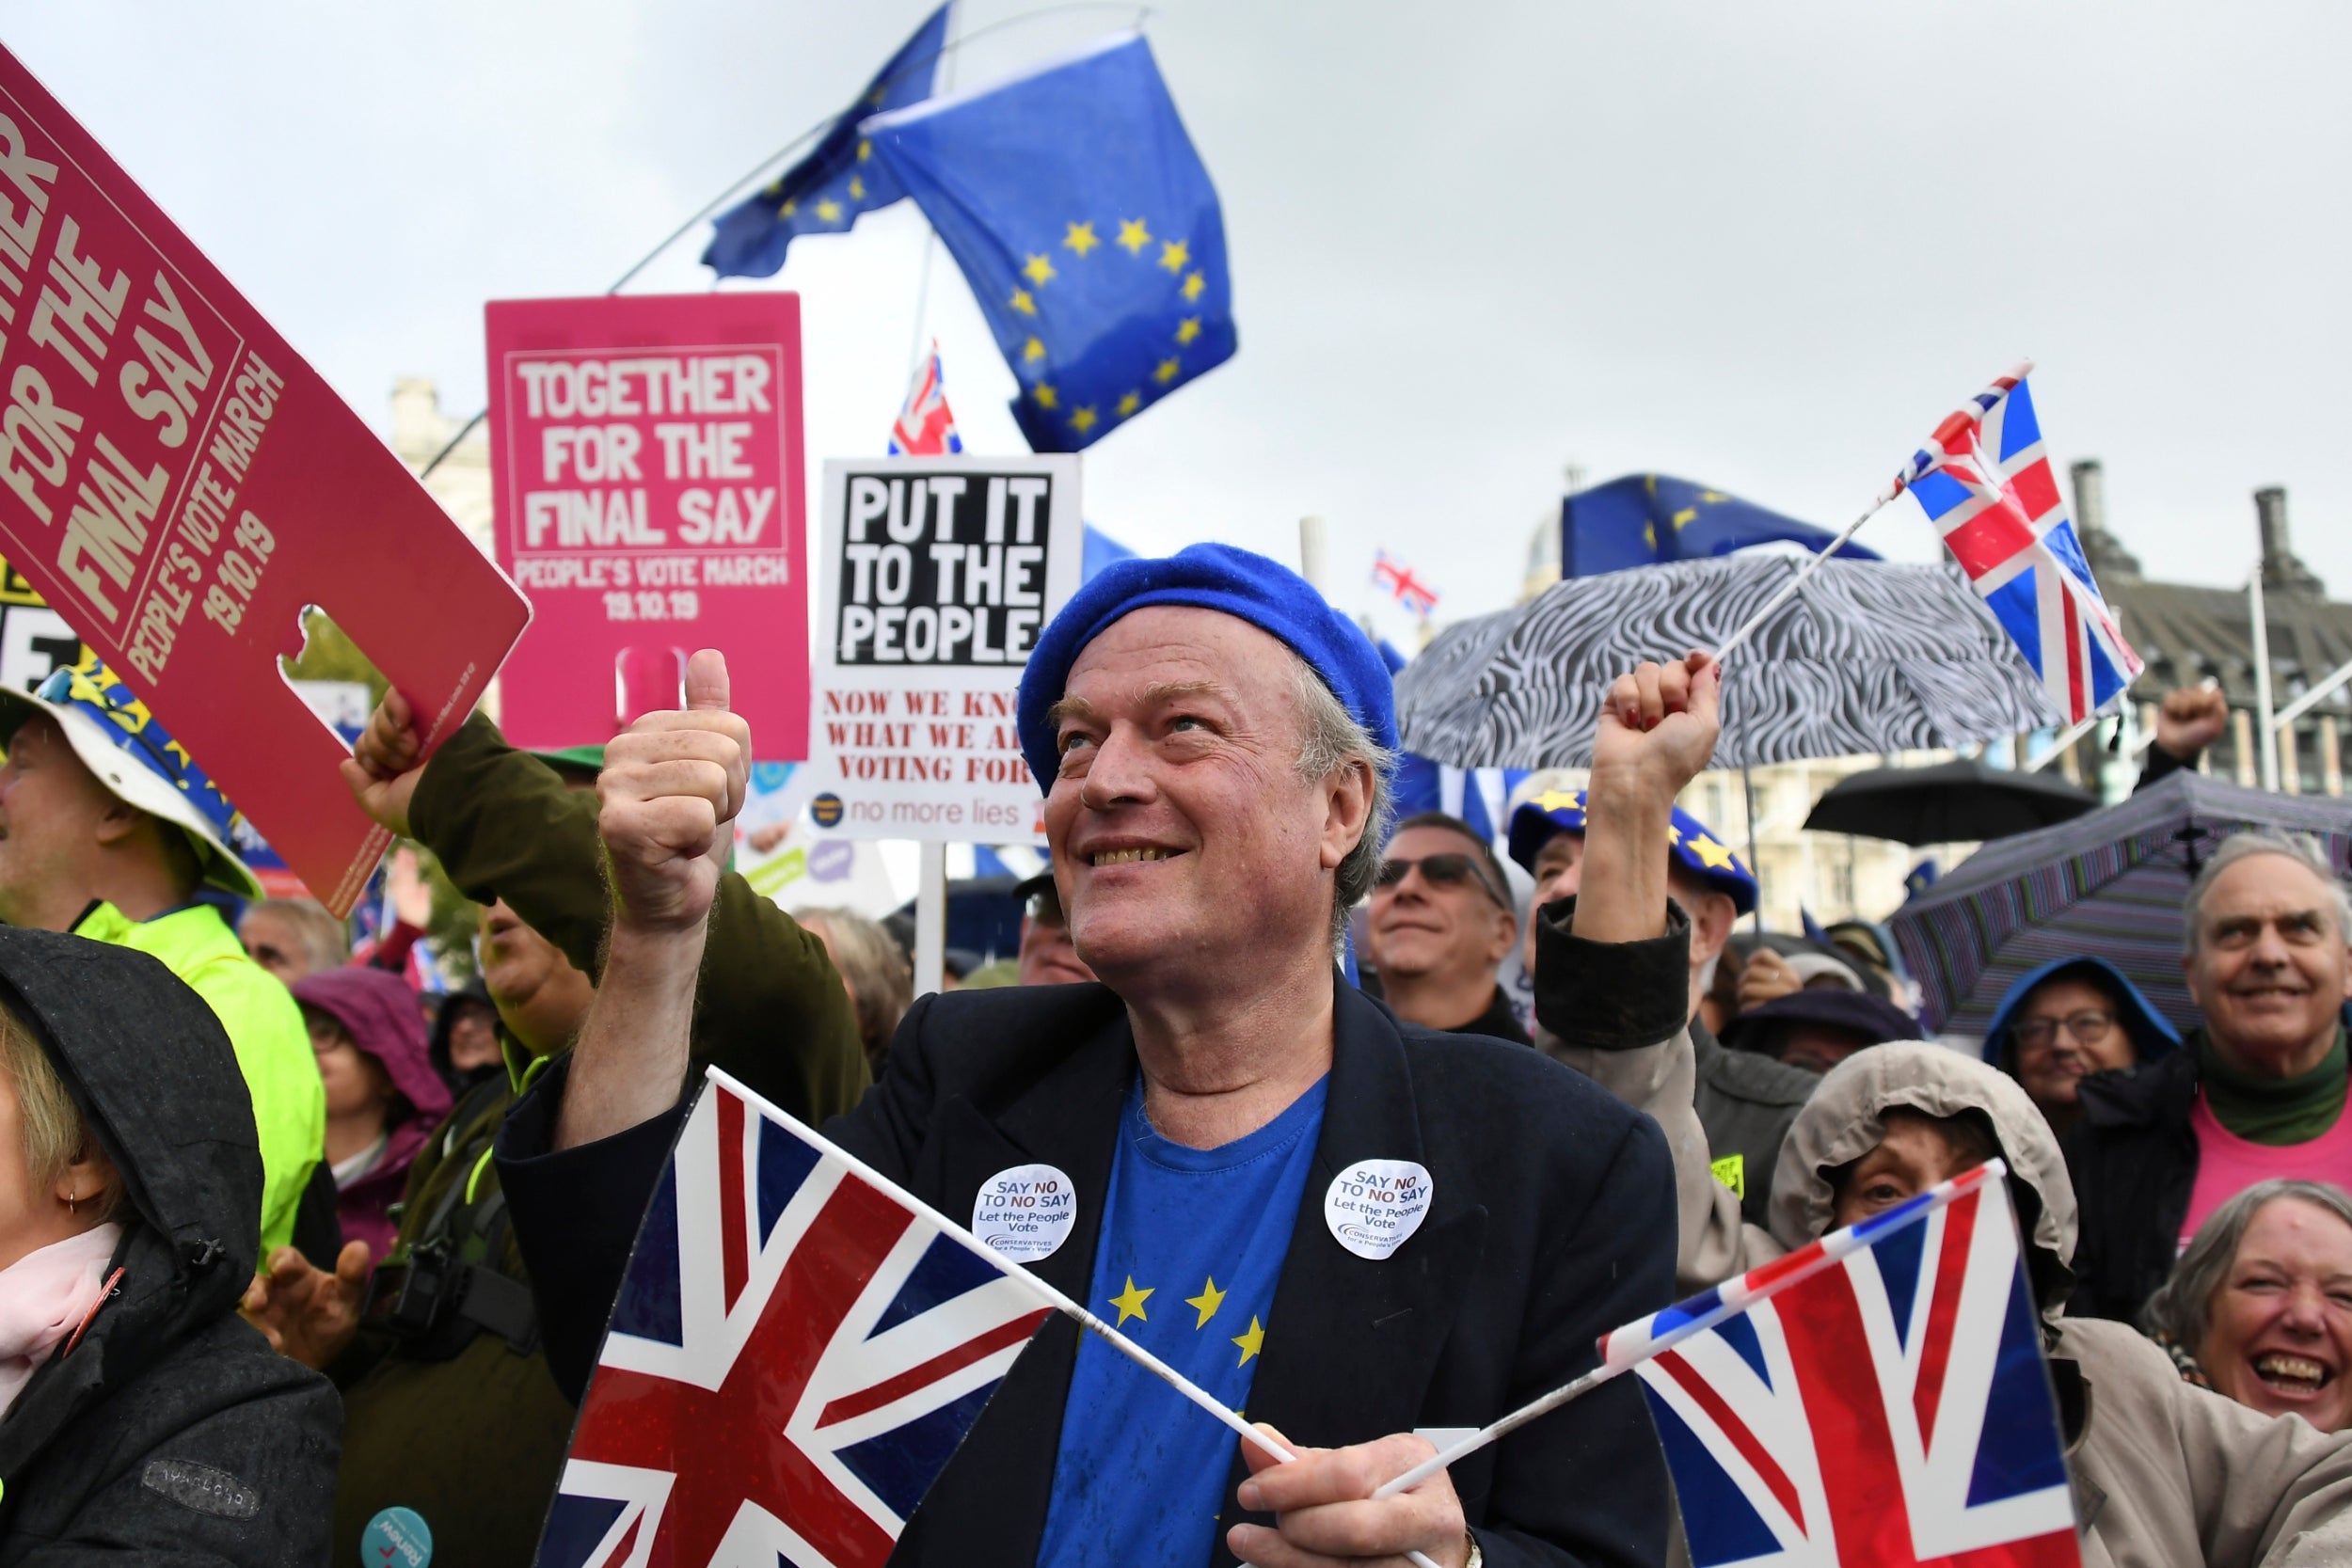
<point x="1192" y="1246"/>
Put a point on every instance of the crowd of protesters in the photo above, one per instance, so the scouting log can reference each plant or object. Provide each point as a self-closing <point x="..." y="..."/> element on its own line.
<point x="286" y="1242"/>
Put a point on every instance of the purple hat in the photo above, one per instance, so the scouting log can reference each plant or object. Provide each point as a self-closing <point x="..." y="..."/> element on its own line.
<point x="380" y="1014"/>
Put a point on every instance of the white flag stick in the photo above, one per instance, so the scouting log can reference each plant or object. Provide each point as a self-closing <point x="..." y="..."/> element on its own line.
<point x="1931" y="454"/>
<point x="1731" y="1300"/>
<point x="1053" y="1297"/>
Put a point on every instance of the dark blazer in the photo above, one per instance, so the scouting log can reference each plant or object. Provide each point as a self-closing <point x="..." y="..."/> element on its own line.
<point x="1552" y="1221"/>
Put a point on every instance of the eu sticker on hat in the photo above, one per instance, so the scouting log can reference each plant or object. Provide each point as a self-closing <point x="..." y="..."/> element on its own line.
<point x="1374" y="1205"/>
<point x="1025" y="1212"/>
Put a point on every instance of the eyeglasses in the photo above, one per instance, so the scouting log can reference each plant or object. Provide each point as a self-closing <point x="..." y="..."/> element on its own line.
<point x="1440" y="871"/>
<point x="2088" y="1027"/>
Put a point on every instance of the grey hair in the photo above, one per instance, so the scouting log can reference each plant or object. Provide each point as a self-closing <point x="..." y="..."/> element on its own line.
<point x="2182" y="1310"/>
<point x="2299" y="847"/>
<point x="1332" y="740"/>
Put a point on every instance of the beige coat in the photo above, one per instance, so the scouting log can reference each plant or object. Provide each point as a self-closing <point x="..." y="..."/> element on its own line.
<point x="2166" y="1475"/>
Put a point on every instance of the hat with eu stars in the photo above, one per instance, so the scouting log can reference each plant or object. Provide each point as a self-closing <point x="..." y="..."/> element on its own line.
<point x="137" y="760"/>
<point x="1557" y="806"/>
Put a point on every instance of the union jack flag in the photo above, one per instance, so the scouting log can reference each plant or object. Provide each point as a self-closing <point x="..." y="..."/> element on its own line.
<point x="796" y="1351"/>
<point x="927" y="426"/>
<point x="1878" y="1397"/>
<point x="1407" y="590"/>
<point x="1984" y="478"/>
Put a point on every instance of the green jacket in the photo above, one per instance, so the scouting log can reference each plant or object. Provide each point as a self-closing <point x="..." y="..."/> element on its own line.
<point x="263" y="1024"/>
<point x="770" y="1010"/>
<point x="469" y="1429"/>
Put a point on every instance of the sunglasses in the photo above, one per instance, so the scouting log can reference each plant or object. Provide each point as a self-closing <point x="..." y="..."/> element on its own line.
<point x="1440" y="871"/>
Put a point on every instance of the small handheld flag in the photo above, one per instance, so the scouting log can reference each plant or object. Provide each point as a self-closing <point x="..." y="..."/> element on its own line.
<point x="1402" y="586"/>
<point x="1877" y="1397"/>
<point x="798" y="1348"/>
<point x="1644" y="519"/>
<point x="927" y="426"/>
<point x="1984" y="478"/>
<point x="1087" y="228"/>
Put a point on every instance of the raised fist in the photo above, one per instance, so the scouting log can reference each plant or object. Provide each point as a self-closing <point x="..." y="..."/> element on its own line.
<point x="2192" y="719"/>
<point x="671" y="785"/>
<point x="1658" y="725"/>
<point x="385" y="764"/>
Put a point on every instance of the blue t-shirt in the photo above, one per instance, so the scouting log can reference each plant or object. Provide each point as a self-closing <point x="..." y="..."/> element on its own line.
<point x="1192" y="1246"/>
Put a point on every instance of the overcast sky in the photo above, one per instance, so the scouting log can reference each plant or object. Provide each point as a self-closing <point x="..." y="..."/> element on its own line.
<point x="1762" y="246"/>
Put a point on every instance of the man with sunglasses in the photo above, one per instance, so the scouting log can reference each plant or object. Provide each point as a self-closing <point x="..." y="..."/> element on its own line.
<point x="1048" y="957"/>
<point x="1441" y="925"/>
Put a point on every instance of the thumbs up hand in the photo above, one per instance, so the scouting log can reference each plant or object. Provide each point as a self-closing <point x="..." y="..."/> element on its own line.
<point x="671" y="785"/>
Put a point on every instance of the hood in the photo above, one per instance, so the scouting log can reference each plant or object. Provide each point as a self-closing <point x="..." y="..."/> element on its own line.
<point x="2152" y="1035"/>
<point x="380" y="1013"/>
<point x="1844" y="1121"/>
<point x="1875" y="1021"/>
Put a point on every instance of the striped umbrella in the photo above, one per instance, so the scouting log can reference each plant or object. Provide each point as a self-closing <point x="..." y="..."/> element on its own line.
<point x="1867" y="657"/>
<point x="2108" y="885"/>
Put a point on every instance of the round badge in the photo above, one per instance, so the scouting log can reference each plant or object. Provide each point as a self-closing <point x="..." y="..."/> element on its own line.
<point x="1374" y="1205"/>
<point x="1025" y="1212"/>
<point x="826" y="809"/>
<point x="396" y="1538"/>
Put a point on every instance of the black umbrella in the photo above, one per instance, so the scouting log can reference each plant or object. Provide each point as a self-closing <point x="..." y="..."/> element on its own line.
<point x="1952" y="803"/>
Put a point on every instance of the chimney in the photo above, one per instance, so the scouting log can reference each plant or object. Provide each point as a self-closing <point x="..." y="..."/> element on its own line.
<point x="2282" y="573"/>
<point x="2109" y="561"/>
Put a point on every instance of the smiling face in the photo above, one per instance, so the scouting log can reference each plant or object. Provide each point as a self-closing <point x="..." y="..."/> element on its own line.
<point x="1443" y="929"/>
<point x="2281" y="1338"/>
<point x="1186" y="845"/>
<point x="2066" y="1030"/>
<point x="2270" y="967"/>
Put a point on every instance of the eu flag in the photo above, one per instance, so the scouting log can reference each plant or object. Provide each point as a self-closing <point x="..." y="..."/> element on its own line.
<point x="827" y="191"/>
<point x="1087" y="228"/>
<point x="1644" y="519"/>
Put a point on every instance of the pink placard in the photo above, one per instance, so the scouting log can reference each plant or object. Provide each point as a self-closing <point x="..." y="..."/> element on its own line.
<point x="178" y="484"/>
<point x="647" y="460"/>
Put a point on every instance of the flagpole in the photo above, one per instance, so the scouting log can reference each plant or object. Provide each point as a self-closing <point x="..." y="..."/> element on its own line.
<point x="1054" y="1298"/>
<point x="1730" y="1301"/>
<point x="1926" y="459"/>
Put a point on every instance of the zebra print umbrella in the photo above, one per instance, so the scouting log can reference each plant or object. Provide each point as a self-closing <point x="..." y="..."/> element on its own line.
<point x="2110" y="885"/>
<point x="1867" y="656"/>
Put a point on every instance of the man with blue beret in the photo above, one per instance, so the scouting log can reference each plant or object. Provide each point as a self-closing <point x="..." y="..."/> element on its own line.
<point x="1745" y="1101"/>
<point x="1214" y="743"/>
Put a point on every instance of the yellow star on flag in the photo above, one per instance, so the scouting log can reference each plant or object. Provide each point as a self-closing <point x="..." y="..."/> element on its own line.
<point x="1080" y="238"/>
<point x="1250" y="1341"/>
<point x="1129" y="404"/>
<point x="829" y="210"/>
<point x="857" y="188"/>
<point x="1559" y="799"/>
<point x="1025" y="302"/>
<point x="788" y="209"/>
<point x="1130" y="1301"/>
<point x="1187" y="329"/>
<point x="1674" y="835"/>
<point x="1193" y="286"/>
<point x="1082" y="417"/>
<point x="1038" y="270"/>
<point x="1133" y="235"/>
<point x="1206" y="1303"/>
<point x="865" y="151"/>
<point x="1174" y="254"/>
<point x="1032" y="351"/>
<point x="1712" y="854"/>
<point x="1045" y="395"/>
<point x="1167" y="372"/>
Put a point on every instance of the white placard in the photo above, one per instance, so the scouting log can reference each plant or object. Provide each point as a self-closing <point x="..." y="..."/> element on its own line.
<point x="934" y="576"/>
<point x="1373" y="1206"/>
<point x="1025" y="1212"/>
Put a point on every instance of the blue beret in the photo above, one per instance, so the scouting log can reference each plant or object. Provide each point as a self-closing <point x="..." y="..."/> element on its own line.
<point x="1694" y="848"/>
<point x="1247" y="586"/>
